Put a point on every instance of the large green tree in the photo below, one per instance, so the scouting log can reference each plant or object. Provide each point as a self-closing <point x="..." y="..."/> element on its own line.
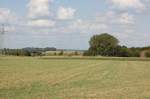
<point x="103" y="44"/>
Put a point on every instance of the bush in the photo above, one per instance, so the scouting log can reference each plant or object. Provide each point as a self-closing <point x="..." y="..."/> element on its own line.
<point x="86" y="53"/>
<point x="147" y="54"/>
<point x="61" y="53"/>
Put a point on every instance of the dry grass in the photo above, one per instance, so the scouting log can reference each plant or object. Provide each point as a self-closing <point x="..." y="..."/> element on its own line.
<point x="34" y="78"/>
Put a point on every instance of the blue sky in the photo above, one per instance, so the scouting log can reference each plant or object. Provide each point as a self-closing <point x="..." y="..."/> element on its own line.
<point x="69" y="24"/>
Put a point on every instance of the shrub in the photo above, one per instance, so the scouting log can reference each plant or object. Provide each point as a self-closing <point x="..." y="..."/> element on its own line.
<point x="147" y="54"/>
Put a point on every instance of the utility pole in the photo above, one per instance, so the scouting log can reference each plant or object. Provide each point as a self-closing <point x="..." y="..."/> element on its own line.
<point x="2" y="32"/>
<point x="2" y="29"/>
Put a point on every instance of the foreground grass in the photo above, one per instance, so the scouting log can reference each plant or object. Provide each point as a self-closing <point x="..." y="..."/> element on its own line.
<point x="36" y="78"/>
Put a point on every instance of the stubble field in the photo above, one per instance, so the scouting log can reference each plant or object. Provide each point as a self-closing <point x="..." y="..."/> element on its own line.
<point x="38" y="78"/>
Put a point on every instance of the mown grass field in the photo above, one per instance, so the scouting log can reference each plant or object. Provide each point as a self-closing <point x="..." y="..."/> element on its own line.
<point x="36" y="78"/>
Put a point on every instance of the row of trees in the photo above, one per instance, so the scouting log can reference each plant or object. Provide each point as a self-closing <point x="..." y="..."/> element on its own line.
<point x="63" y="53"/>
<point x="38" y="52"/>
<point x="108" y="45"/>
<point x="27" y="51"/>
<point x="103" y="45"/>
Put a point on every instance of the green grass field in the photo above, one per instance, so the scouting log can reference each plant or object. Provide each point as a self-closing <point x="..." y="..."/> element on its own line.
<point x="39" y="78"/>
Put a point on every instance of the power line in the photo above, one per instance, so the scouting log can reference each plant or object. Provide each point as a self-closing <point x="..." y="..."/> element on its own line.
<point x="2" y="29"/>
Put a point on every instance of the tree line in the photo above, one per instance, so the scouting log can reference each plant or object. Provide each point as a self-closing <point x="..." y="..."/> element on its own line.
<point x="108" y="45"/>
<point x="29" y="51"/>
<point x="100" y="45"/>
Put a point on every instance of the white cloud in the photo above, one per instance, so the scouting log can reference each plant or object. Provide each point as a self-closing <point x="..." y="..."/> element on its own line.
<point x="41" y="23"/>
<point x="86" y="25"/>
<point x="124" y="4"/>
<point x="39" y="14"/>
<point x="39" y="8"/>
<point x="6" y="16"/>
<point x="81" y="26"/>
<point x="65" y="13"/>
<point x="119" y="18"/>
<point x="98" y="24"/>
<point x="125" y="18"/>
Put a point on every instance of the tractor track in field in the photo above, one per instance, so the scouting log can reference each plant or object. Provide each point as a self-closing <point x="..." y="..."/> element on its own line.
<point x="76" y="74"/>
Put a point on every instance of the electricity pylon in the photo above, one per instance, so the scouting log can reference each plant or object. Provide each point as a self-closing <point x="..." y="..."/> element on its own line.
<point x="2" y="32"/>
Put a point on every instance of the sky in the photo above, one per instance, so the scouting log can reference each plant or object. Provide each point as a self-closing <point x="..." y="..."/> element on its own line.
<point x="69" y="24"/>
